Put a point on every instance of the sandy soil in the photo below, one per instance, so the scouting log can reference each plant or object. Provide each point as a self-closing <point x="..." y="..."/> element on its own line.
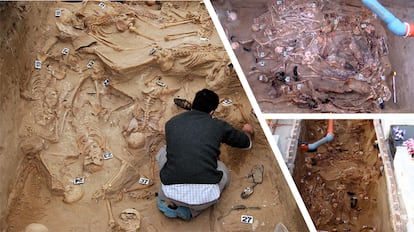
<point x="99" y="79"/>
<point x="342" y="183"/>
<point x="328" y="76"/>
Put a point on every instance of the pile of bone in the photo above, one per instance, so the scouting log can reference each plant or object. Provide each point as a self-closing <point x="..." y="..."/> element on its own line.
<point x="321" y="49"/>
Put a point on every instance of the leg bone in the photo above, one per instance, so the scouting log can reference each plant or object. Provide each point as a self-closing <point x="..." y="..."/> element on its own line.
<point x="180" y="35"/>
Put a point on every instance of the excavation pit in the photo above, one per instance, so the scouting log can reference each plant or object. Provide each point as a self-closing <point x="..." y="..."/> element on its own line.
<point x="319" y="56"/>
<point x="343" y="182"/>
<point x="81" y="126"/>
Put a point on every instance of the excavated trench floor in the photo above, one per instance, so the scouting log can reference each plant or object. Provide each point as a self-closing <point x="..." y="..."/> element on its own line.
<point x="101" y="80"/>
<point x="343" y="183"/>
<point x="319" y="56"/>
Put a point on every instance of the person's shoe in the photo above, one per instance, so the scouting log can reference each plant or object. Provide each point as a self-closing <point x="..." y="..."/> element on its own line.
<point x="178" y="211"/>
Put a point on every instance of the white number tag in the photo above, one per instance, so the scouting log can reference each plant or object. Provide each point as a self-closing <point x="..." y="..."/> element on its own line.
<point x="247" y="219"/>
<point x="107" y="156"/>
<point x="106" y="82"/>
<point x="38" y="64"/>
<point x="101" y="5"/>
<point x="143" y="181"/>
<point x="79" y="180"/>
<point x="58" y="13"/>
<point x="227" y="102"/>
<point x="90" y="64"/>
<point x="160" y="83"/>
<point x="65" y="51"/>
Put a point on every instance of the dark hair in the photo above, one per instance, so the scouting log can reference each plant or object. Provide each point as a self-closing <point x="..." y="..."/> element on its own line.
<point x="205" y="100"/>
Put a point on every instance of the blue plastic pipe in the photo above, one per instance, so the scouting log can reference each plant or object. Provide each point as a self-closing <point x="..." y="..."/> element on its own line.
<point x="328" y="138"/>
<point x="393" y="23"/>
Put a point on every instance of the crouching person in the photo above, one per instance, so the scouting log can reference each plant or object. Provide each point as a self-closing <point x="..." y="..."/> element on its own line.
<point x="192" y="176"/>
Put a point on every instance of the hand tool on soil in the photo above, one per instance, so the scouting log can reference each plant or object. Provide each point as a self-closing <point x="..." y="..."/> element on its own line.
<point x="248" y="191"/>
<point x="256" y="176"/>
<point x="182" y="103"/>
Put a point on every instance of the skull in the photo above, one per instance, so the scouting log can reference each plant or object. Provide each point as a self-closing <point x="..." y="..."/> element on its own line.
<point x="35" y="227"/>
<point x="73" y="193"/>
<point x="130" y="220"/>
<point x="124" y="21"/>
<point x="51" y="97"/>
<point x="93" y="161"/>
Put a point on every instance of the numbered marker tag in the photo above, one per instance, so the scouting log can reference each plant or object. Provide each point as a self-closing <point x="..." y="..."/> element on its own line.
<point x="279" y="2"/>
<point x="203" y="39"/>
<point x="38" y="64"/>
<point x="160" y="83"/>
<point x="106" y="82"/>
<point x="261" y="78"/>
<point x="287" y="79"/>
<point x="262" y="63"/>
<point x="227" y="102"/>
<point x="78" y="180"/>
<point x="107" y="156"/>
<point x="247" y="219"/>
<point x="143" y="181"/>
<point x="90" y="64"/>
<point x="101" y="5"/>
<point x="58" y="13"/>
<point x="152" y="51"/>
<point x="65" y="51"/>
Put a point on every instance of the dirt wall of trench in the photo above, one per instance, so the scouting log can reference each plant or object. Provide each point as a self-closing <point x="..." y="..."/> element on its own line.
<point x="15" y="49"/>
<point x="401" y="50"/>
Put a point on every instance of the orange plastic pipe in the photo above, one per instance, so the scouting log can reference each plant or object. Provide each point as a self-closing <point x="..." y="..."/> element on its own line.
<point x="330" y="126"/>
<point x="409" y="30"/>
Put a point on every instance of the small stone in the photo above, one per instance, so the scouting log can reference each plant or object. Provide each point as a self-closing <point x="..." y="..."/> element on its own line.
<point x="35" y="227"/>
<point x="235" y="45"/>
<point x="231" y="15"/>
<point x="255" y="27"/>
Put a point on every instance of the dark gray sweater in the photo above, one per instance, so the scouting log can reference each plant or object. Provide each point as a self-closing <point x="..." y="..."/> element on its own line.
<point x="193" y="147"/>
